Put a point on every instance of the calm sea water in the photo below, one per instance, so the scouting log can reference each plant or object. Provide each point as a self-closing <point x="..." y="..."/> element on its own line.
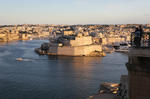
<point x="45" y="77"/>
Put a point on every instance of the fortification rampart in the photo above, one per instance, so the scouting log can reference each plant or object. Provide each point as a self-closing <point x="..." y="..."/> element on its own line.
<point x="75" y="51"/>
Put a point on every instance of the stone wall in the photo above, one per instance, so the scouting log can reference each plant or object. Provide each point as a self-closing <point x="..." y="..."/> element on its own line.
<point x="9" y="37"/>
<point x="66" y="50"/>
<point x="13" y="37"/>
<point x="86" y="50"/>
<point x="80" y="41"/>
<point x="123" y="88"/>
<point x="3" y="38"/>
<point x="139" y="73"/>
<point x="75" y="51"/>
<point x="139" y="85"/>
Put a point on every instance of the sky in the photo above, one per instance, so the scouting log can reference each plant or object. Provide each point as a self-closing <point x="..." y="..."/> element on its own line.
<point x="74" y="12"/>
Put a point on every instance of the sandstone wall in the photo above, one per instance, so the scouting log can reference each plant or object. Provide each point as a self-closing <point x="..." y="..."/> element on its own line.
<point x="78" y="51"/>
<point x="66" y="50"/>
<point x="80" y="41"/>
<point x="139" y="73"/>
<point x="3" y="37"/>
<point x="139" y="85"/>
<point x="123" y="88"/>
<point x="86" y="50"/>
<point x="8" y="37"/>
<point x="13" y="37"/>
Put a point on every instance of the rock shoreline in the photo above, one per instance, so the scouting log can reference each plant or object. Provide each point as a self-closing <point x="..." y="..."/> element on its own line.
<point x="113" y="90"/>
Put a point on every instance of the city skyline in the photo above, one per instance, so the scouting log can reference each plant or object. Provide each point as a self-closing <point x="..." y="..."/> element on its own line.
<point x="75" y="12"/>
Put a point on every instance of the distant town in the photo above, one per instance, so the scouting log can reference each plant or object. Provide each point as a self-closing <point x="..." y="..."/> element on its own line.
<point x="109" y="33"/>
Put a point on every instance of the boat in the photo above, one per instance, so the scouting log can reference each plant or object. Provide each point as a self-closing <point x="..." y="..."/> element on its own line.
<point x="122" y="47"/>
<point x="19" y="59"/>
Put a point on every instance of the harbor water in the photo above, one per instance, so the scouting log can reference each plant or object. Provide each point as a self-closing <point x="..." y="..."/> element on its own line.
<point x="51" y="77"/>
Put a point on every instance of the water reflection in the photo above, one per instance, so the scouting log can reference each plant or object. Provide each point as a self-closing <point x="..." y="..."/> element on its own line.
<point x="54" y="77"/>
<point x="83" y="60"/>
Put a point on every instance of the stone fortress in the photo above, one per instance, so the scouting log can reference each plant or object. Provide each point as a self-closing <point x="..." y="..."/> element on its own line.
<point x="72" y="44"/>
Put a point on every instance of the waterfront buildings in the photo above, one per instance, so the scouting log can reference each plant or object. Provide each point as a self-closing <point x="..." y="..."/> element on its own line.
<point x="23" y="32"/>
<point x="33" y="31"/>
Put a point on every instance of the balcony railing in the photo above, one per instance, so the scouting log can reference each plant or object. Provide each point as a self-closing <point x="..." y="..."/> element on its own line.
<point x="140" y="42"/>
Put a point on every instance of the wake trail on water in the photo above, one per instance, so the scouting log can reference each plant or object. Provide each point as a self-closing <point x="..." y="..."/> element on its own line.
<point x="31" y="59"/>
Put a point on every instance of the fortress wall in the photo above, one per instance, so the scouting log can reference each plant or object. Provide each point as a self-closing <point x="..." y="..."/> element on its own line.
<point x="3" y="37"/>
<point x="9" y="37"/>
<point x="12" y="37"/>
<point x="93" y="48"/>
<point x="86" y="50"/>
<point x="53" y="50"/>
<point x="80" y="41"/>
<point x="77" y="51"/>
<point x="66" y="50"/>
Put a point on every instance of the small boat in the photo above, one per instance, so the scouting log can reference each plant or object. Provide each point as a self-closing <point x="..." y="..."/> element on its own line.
<point x="19" y="59"/>
<point x="122" y="47"/>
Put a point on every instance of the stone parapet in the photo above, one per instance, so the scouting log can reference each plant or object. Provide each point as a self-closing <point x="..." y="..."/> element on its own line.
<point x="139" y="73"/>
<point x="139" y="52"/>
<point x="139" y="59"/>
<point x="123" y="88"/>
